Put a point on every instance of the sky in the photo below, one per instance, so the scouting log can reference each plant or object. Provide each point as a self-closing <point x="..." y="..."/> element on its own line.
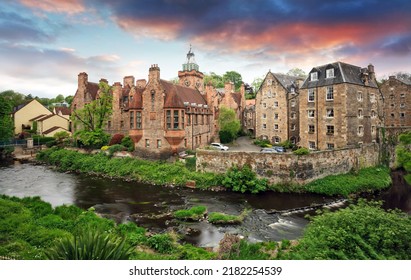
<point x="45" y="44"/>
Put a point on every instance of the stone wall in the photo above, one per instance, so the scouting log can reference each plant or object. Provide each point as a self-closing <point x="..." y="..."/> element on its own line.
<point x="285" y="168"/>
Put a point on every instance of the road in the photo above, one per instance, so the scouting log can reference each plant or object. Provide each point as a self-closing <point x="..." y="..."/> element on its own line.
<point x="243" y="144"/>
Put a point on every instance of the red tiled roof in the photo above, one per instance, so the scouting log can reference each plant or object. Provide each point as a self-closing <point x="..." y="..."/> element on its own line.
<point x="93" y="88"/>
<point x="176" y="95"/>
<point x="63" y="110"/>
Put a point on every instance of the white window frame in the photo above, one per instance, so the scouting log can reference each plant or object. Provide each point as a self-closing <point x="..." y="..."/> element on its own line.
<point x="276" y="127"/>
<point x="275" y="104"/>
<point x="359" y="96"/>
<point x="311" y="130"/>
<point x="311" y="114"/>
<point x="360" y="113"/>
<point x="330" y="146"/>
<point x="330" y="113"/>
<point x="314" y="76"/>
<point x="330" y="91"/>
<point x="360" y="130"/>
<point x="312" y="145"/>
<point x="311" y="95"/>
<point x="329" y="73"/>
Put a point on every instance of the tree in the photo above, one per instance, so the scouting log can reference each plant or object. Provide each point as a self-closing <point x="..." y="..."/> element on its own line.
<point x="59" y="98"/>
<point x="297" y="72"/>
<point x="69" y="99"/>
<point x="214" y="79"/>
<point x="234" y="77"/>
<point x="229" y="125"/>
<point x="93" y="117"/>
<point x="16" y="98"/>
<point x="403" y="153"/>
<point x="6" y="121"/>
<point x="256" y="84"/>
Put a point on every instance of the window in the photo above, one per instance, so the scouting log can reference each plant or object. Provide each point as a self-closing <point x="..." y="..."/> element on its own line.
<point x="264" y="105"/>
<point x="402" y="105"/>
<point x="311" y="128"/>
<point x="275" y="103"/>
<point x="175" y="120"/>
<point x="147" y="143"/>
<point x="269" y="82"/>
<point x="276" y="116"/>
<point x="131" y="119"/>
<point x="292" y="103"/>
<point x="277" y="139"/>
<point x="264" y="116"/>
<point x="121" y="124"/>
<point x="373" y="129"/>
<point x="168" y="119"/>
<point x="330" y="129"/>
<point x="311" y="113"/>
<point x="329" y="73"/>
<point x="311" y="145"/>
<point x="293" y="115"/>
<point x="392" y="115"/>
<point x="275" y="126"/>
<point x="359" y="96"/>
<point x="330" y="146"/>
<point x="311" y="95"/>
<point x="293" y="126"/>
<point x="264" y="126"/>
<point x="373" y="114"/>
<point x="158" y="143"/>
<point x="402" y="95"/>
<point x="360" y="114"/>
<point x="402" y="115"/>
<point x="138" y="120"/>
<point x="292" y="90"/>
<point x="330" y="113"/>
<point x="188" y="119"/>
<point x="330" y="93"/>
<point x="372" y="97"/>
<point x="182" y="118"/>
<point x="314" y="76"/>
<point x="360" y="130"/>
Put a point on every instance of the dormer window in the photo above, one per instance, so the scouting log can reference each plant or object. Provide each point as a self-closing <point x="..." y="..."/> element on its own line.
<point x="314" y="76"/>
<point x="329" y="73"/>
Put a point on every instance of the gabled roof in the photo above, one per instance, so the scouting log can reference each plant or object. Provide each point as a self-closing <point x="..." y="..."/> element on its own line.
<point x="21" y="106"/>
<point x="48" y="117"/>
<point x="64" y="110"/>
<point x="93" y="88"/>
<point x="286" y="81"/>
<point x="54" y="128"/>
<point x="137" y="102"/>
<point x="343" y="73"/>
<point x="405" y="80"/>
<point x="38" y="117"/>
<point x="176" y="95"/>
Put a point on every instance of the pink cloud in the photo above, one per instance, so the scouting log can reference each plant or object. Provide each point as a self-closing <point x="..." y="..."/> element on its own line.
<point x="56" y="6"/>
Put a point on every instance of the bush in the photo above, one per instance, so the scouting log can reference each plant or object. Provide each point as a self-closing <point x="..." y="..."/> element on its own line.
<point x="162" y="243"/>
<point x="225" y="136"/>
<point x="221" y="218"/>
<point x="301" y="151"/>
<point x="116" y="139"/>
<point x="264" y="143"/>
<point x="191" y="163"/>
<point x="115" y="148"/>
<point x="42" y="140"/>
<point x="128" y="143"/>
<point x="243" y="180"/>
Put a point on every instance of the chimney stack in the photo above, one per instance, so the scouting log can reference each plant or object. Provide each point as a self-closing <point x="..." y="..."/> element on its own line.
<point x="128" y="81"/>
<point x="154" y="73"/>
<point x="371" y="72"/>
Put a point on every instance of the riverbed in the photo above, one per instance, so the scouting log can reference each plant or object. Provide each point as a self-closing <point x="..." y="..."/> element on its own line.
<point x="152" y="206"/>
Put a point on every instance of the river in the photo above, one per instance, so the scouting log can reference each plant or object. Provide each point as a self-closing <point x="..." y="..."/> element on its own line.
<point x="152" y="206"/>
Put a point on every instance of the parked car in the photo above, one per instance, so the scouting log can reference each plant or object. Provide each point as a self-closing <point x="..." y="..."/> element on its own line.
<point x="279" y="149"/>
<point x="219" y="146"/>
<point x="268" y="151"/>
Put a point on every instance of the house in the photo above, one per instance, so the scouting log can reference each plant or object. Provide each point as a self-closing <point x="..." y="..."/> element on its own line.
<point x="277" y="108"/>
<point x="397" y="101"/>
<point x="249" y="117"/>
<point x="63" y="111"/>
<point x="167" y="118"/>
<point x="340" y="106"/>
<point x="48" y="125"/>
<point x="24" y="114"/>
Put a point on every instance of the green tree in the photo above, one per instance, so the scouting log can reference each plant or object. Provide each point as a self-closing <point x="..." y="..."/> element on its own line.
<point x="69" y="99"/>
<point x="93" y="117"/>
<point x="297" y="72"/>
<point x="16" y="98"/>
<point x="59" y="98"/>
<point x="256" y="84"/>
<point x="214" y="79"/>
<point x="403" y="152"/>
<point x="229" y="124"/>
<point x="6" y="121"/>
<point x="235" y="77"/>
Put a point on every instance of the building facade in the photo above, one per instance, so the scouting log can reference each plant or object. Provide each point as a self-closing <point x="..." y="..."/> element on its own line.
<point x="277" y="109"/>
<point x="340" y="106"/>
<point x="397" y="101"/>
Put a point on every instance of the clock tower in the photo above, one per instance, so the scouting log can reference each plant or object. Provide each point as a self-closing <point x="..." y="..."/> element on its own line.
<point x="190" y="76"/>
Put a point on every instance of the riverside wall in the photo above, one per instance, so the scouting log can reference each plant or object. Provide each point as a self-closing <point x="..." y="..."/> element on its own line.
<point x="290" y="168"/>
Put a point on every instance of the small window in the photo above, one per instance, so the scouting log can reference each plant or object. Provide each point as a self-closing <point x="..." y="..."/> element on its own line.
<point x="311" y="113"/>
<point x="168" y="119"/>
<point x="292" y="90"/>
<point x="311" y="145"/>
<point x="402" y="115"/>
<point x="330" y="113"/>
<point x="359" y="96"/>
<point x="330" y="93"/>
<point x="277" y="139"/>
<point x="264" y="126"/>
<point x="147" y="143"/>
<point x="264" y="116"/>
<point x="264" y="105"/>
<point x="372" y="97"/>
<point x="275" y="126"/>
<point x="269" y="82"/>
<point x="402" y="105"/>
<point x="330" y="129"/>
<point x="360" y="130"/>
<point x="311" y="128"/>
<point x="121" y="124"/>
<point x="292" y="103"/>
<point x="330" y="146"/>
<point x="402" y="95"/>
<point x="311" y="96"/>
<point x="314" y="76"/>
<point x="158" y="143"/>
<point x="275" y="103"/>
<point x="373" y="114"/>
<point x="330" y="73"/>
<point x="293" y="126"/>
<point x="373" y="130"/>
<point x="392" y="115"/>
<point x="276" y="116"/>
<point x="360" y="113"/>
<point x="293" y="115"/>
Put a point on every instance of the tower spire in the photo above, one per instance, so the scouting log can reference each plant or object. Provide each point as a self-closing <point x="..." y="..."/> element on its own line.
<point x="190" y="63"/>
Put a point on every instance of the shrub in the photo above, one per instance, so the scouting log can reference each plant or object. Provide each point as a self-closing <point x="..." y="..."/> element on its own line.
<point x="115" y="148"/>
<point x="243" y="180"/>
<point x="264" y="143"/>
<point x="128" y="143"/>
<point x="104" y="148"/>
<point x="191" y="163"/>
<point x="162" y="243"/>
<point x="116" y="139"/>
<point x="246" y="251"/>
<point x="225" y="136"/>
<point x="301" y="151"/>
<point x="221" y="218"/>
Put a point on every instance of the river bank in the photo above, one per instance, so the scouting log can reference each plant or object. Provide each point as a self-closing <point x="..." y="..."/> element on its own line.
<point x="176" y="174"/>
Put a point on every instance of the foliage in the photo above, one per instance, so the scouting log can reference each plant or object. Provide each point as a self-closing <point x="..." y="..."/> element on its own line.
<point x="297" y="72"/>
<point x="264" y="143"/>
<point x="371" y="178"/>
<point x="128" y="143"/>
<point x="243" y="180"/>
<point x="6" y="121"/>
<point x="225" y="136"/>
<point x="93" y="117"/>
<point x="104" y="148"/>
<point x="287" y="144"/>
<point x="15" y="98"/>
<point x="92" y="139"/>
<point x="91" y="244"/>
<point x="256" y="84"/>
<point x="162" y="243"/>
<point x="221" y="218"/>
<point x="194" y="213"/>
<point x="301" y="151"/>
<point x="403" y="152"/>
<point x="362" y="231"/>
<point x="116" y="148"/>
<point x="191" y="163"/>
<point x="61" y="136"/>
<point x="116" y="139"/>
<point x="246" y="251"/>
<point x="234" y="77"/>
<point x="41" y="140"/>
<point x="229" y="123"/>
<point x="155" y="172"/>
<point x="214" y="79"/>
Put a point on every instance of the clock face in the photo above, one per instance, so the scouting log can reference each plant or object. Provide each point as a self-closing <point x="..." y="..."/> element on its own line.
<point x="187" y="82"/>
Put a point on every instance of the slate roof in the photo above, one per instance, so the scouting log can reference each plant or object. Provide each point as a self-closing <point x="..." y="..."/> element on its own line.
<point x="406" y="81"/>
<point x="343" y="73"/>
<point x="286" y="80"/>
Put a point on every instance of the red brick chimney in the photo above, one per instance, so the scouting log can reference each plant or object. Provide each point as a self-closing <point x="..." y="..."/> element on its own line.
<point x="154" y="73"/>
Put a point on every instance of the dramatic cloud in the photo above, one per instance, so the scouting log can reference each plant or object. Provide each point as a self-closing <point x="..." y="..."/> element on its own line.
<point x="56" y="6"/>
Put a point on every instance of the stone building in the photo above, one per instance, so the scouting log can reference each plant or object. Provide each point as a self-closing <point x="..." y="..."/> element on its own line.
<point x="166" y="118"/>
<point x="276" y="108"/>
<point x="249" y="117"/>
<point x="397" y="101"/>
<point x="340" y="106"/>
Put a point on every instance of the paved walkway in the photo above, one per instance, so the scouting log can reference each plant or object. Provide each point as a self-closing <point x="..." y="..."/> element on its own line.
<point x="243" y="144"/>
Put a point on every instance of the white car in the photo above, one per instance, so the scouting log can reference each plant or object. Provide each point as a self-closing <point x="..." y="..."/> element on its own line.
<point x="219" y="146"/>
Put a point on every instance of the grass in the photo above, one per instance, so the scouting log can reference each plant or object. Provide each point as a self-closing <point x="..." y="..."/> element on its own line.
<point x="193" y="214"/>
<point x="221" y="218"/>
